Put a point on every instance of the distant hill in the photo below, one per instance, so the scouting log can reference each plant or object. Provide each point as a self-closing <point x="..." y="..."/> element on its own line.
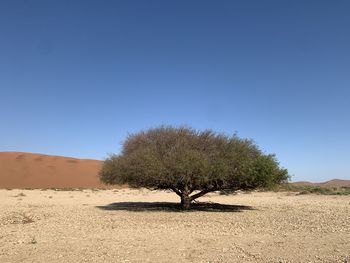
<point x="331" y="183"/>
<point x="28" y="170"/>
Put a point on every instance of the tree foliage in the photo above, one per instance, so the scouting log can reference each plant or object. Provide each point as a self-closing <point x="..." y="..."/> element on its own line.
<point x="191" y="163"/>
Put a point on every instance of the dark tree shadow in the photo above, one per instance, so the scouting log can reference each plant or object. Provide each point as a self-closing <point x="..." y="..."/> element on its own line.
<point x="173" y="207"/>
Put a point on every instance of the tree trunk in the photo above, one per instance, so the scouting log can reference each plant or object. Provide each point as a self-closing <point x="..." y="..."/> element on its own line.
<point x="185" y="202"/>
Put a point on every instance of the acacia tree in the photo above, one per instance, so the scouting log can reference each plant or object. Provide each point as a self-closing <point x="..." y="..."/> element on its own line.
<point x="191" y="163"/>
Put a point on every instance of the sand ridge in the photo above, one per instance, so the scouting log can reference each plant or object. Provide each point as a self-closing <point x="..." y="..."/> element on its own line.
<point x="29" y="170"/>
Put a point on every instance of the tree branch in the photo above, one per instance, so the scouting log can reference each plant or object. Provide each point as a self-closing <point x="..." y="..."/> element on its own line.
<point x="177" y="191"/>
<point x="201" y="193"/>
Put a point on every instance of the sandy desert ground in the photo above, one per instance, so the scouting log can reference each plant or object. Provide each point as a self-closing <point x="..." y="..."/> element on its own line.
<point x="137" y="226"/>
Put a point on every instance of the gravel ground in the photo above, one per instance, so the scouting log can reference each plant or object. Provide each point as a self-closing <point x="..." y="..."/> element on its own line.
<point x="83" y="226"/>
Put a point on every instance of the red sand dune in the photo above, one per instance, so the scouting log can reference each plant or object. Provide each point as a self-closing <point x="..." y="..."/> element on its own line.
<point x="28" y="170"/>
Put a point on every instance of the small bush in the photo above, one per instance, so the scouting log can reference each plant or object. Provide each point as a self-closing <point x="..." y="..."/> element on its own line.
<point x="33" y="241"/>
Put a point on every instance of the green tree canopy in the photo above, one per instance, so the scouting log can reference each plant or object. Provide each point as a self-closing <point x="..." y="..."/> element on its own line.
<point x="191" y="163"/>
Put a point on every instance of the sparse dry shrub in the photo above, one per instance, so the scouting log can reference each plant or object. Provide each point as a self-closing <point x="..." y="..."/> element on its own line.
<point x="16" y="218"/>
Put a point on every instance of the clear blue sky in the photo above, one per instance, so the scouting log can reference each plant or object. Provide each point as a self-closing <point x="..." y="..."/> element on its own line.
<point x="77" y="76"/>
